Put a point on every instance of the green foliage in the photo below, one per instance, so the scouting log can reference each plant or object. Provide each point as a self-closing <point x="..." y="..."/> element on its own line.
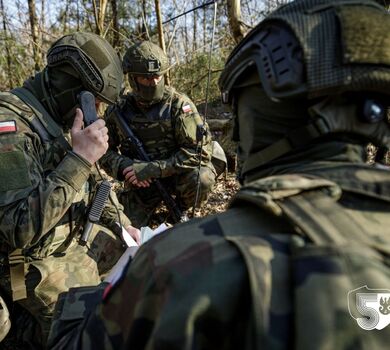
<point x="186" y="42"/>
<point x="192" y="77"/>
<point x="16" y="63"/>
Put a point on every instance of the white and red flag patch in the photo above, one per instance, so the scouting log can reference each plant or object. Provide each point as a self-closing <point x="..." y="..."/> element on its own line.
<point x="8" y="126"/>
<point x="187" y="109"/>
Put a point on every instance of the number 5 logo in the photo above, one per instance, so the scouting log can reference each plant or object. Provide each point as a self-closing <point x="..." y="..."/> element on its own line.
<point x="370" y="307"/>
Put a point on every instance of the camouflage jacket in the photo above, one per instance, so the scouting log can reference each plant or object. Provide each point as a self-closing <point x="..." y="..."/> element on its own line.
<point x="167" y="131"/>
<point x="44" y="187"/>
<point x="278" y="270"/>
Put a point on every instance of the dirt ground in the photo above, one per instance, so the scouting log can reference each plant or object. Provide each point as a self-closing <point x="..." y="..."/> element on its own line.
<point x="219" y="198"/>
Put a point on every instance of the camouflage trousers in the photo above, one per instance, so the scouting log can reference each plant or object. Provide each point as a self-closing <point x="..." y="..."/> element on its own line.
<point x="140" y="203"/>
<point x="47" y="278"/>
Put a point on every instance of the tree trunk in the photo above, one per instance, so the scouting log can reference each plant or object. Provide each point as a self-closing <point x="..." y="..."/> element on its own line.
<point x="204" y="28"/>
<point x="6" y="43"/>
<point x="144" y="33"/>
<point x="78" y="15"/>
<point x="194" y="44"/>
<point x="115" y="24"/>
<point x="34" y="35"/>
<point x="65" y="18"/>
<point x="186" y="48"/>
<point x="43" y="28"/>
<point x="100" y="14"/>
<point x="234" y="16"/>
<point x="161" y="34"/>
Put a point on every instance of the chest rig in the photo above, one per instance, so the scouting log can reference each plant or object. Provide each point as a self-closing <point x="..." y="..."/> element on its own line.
<point x="154" y="127"/>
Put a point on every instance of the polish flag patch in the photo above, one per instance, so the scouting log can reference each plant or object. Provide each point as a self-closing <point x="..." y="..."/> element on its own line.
<point x="187" y="109"/>
<point x="7" y="126"/>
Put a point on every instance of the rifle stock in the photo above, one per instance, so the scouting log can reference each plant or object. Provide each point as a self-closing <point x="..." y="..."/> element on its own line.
<point x="172" y="206"/>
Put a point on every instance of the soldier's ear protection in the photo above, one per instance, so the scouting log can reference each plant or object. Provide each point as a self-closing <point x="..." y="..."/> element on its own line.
<point x="276" y="54"/>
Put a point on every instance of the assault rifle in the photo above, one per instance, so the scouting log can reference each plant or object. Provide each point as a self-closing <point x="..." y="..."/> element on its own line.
<point x="171" y="204"/>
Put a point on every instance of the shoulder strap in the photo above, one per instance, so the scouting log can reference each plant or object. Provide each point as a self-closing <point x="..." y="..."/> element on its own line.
<point x="257" y="255"/>
<point x="321" y="218"/>
<point x="42" y="122"/>
<point x="311" y="205"/>
<point x="17" y="268"/>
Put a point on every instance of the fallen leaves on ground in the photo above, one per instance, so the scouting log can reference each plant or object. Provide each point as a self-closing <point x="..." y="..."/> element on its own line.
<point x="223" y="191"/>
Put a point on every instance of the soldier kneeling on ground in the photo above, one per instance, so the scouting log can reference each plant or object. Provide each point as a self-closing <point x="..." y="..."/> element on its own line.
<point x="172" y="134"/>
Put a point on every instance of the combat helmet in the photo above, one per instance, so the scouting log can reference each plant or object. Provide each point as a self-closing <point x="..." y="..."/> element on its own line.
<point x="146" y="59"/>
<point x="77" y="62"/>
<point x="321" y="67"/>
<point x="93" y="59"/>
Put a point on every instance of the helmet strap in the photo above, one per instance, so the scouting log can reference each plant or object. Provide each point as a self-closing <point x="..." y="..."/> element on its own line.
<point x="332" y="115"/>
<point x="297" y="138"/>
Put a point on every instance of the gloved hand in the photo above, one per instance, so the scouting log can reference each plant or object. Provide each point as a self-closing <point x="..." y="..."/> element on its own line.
<point x="140" y="174"/>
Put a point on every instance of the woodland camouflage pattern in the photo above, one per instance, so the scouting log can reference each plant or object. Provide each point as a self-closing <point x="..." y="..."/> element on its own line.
<point x="167" y="130"/>
<point x="37" y="215"/>
<point x="275" y="270"/>
<point x="189" y="287"/>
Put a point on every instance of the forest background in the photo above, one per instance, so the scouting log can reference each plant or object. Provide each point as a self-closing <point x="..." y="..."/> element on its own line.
<point x="28" y="27"/>
<point x="197" y="46"/>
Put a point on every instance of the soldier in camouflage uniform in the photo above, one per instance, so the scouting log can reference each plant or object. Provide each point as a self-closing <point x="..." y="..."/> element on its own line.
<point x="48" y="179"/>
<point x="166" y="122"/>
<point x="310" y="226"/>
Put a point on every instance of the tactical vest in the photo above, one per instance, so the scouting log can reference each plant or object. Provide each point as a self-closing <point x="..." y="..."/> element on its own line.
<point x="55" y="146"/>
<point x="348" y="247"/>
<point x="153" y="127"/>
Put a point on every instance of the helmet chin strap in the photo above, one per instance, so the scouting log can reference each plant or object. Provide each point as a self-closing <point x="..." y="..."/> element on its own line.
<point x="332" y="115"/>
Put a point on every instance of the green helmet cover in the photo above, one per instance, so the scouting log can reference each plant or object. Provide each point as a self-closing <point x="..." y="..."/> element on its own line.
<point x="94" y="61"/>
<point x="304" y="72"/>
<point x="145" y="58"/>
<point x="342" y="46"/>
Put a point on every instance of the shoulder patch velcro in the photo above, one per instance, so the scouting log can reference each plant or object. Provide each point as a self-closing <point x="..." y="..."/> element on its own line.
<point x="187" y="108"/>
<point x="8" y="126"/>
<point x="14" y="172"/>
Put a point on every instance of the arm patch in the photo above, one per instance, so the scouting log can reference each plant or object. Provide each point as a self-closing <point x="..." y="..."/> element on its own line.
<point x="8" y="126"/>
<point x="13" y="171"/>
